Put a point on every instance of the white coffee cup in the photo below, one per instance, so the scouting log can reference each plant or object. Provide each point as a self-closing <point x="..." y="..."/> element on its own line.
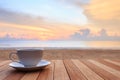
<point x="28" y="57"/>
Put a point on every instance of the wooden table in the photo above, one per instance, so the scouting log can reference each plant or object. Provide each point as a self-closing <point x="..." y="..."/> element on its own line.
<point x="67" y="70"/>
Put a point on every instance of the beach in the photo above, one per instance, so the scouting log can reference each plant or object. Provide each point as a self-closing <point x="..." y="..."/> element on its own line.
<point x="52" y="54"/>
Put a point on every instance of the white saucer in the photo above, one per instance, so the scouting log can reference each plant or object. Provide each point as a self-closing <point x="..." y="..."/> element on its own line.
<point x="21" y="67"/>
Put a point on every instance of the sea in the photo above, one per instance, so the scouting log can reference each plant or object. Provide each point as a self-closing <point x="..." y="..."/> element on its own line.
<point x="61" y="44"/>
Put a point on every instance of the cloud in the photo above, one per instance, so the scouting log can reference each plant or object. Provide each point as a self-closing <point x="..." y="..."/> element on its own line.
<point x="104" y="13"/>
<point x="85" y="32"/>
<point x="103" y="9"/>
<point x="20" y="18"/>
<point x="15" y="24"/>
<point x="54" y="31"/>
<point x="7" y="37"/>
<point x="81" y="35"/>
<point x="100" y="13"/>
<point x="85" y="35"/>
<point x="103" y="32"/>
<point x="36" y="27"/>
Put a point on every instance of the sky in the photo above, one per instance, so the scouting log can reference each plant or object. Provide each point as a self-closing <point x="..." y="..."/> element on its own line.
<point x="48" y="20"/>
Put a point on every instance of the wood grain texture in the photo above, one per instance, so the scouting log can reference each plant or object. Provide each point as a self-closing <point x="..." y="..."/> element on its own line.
<point x="30" y="76"/>
<point x="2" y="68"/>
<point x="101" y="72"/>
<point x="14" y="75"/>
<point x="73" y="71"/>
<point x="47" y="73"/>
<point x="89" y="74"/>
<point x="103" y="69"/>
<point x="5" y="72"/>
<point x="4" y="62"/>
<point x="107" y="68"/>
<point x="60" y="72"/>
<point x="109" y="64"/>
<point x="114" y="62"/>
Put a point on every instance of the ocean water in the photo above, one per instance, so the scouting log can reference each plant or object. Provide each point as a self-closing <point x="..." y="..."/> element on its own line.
<point x="61" y="44"/>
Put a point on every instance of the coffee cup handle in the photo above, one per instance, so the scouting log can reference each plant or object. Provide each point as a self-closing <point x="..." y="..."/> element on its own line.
<point x="11" y="57"/>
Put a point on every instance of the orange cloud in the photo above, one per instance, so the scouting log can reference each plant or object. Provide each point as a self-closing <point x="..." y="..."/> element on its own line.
<point x="23" y="31"/>
<point x="95" y="28"/>
<point x="25" y="27"/>
<point x="49" y="31"/>
<point x="103" y="9"/>
<point x="101" y="14"/>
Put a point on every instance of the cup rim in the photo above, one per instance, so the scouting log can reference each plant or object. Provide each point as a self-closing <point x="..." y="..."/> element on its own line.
<point x="30" y="49"/>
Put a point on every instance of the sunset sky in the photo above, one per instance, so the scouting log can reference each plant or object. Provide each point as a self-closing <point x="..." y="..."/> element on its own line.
<point x="60" y="20"/>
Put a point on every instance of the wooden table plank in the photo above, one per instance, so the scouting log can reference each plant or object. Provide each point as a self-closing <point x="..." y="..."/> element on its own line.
<point x="60" y="72"/>
<point x="4" y="62"/>
<point x="110" y="64"/>
<point x="114" y="62"/>
<point x="30" y="76"/>
<point x="89" y="74"/>
<point x="73" y="71"/>
<point x="109" y="69"/>
<point x="47" y="73"/>
<point x="3" y="67"/>
<point x="5" y="73"/>
<point x="66" y="70"/>
<point x="14" y="75"/>
<point x="101" y="72"/>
